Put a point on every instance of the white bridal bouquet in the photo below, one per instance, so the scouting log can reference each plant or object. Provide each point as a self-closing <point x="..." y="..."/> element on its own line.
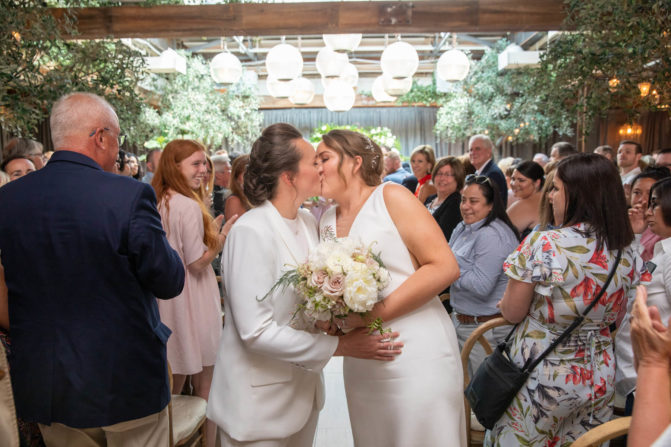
<point x="340" y="276"/>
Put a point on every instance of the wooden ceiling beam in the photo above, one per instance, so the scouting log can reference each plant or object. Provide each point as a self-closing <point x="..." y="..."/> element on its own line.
<point x="262" y="19"/>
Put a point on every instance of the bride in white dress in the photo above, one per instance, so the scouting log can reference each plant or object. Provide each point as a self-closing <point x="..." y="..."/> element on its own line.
<point x="416" y="400"/>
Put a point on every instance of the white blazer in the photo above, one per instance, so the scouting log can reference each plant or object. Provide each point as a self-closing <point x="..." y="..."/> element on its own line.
<point x="268" y="375"/>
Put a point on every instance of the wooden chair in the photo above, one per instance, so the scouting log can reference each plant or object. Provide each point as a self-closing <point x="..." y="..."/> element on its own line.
<point x="186" y="418"/>
<point x="474" y="436"/>
<point x="604" y="432"/>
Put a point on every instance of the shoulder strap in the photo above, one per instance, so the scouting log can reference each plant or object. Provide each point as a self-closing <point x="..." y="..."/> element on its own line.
<point x="531" y="365"/>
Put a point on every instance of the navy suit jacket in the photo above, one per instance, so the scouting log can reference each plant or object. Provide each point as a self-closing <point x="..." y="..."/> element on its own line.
<point x="85" y="255"/>
<point x="493" y="172"/>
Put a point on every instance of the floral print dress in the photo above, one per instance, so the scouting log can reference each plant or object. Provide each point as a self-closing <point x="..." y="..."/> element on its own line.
<point x="571" y="390"/>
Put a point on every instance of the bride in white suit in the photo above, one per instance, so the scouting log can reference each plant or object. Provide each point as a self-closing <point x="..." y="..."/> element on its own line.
<point x="417" y="400"/>
<point x="267" y="388"/>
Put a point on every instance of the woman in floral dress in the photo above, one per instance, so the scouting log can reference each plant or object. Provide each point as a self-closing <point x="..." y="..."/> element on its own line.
<point x="554" y="275"/>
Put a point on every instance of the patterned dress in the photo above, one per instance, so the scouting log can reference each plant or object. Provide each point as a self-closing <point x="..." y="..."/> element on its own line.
<point x="571" y="390"/>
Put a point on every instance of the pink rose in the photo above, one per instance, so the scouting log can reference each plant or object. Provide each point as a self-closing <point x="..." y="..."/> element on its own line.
<point x="335" y="285"/>
<point x="317" y="278"/>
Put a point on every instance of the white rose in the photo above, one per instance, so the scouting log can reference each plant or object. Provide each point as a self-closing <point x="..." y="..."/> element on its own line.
<point x="360" y="292"/>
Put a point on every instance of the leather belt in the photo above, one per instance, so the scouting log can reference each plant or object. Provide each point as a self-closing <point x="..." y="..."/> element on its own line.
<point x="470" y="319"/>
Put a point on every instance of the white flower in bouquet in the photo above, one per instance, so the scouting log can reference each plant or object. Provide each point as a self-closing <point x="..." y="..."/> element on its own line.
<point x="340" y="276"/>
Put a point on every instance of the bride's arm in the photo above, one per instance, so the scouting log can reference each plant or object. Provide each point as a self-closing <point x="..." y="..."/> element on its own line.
<point x="437" y="266"/>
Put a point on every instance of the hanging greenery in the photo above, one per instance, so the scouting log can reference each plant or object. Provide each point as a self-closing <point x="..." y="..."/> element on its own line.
<point x="383" y="136"/>
<point x="38" y="66"/>
<point x="617" y="45"/>
<point x="503" y="103"/>
<point x="191" y="107"/>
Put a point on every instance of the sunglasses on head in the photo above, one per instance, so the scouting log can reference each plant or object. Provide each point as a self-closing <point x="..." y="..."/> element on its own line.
<point x="479" y="179"/>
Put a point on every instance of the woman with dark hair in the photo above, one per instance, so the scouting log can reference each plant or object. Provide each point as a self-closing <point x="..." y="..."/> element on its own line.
<point x="267" y="387"/>
<point x="640" y="194"/>
<point x="481" y="243"/>
<point x="388" y="402"/>
<point x="448" y="177"/>
<point x="194" y="316"/>
<point x="134" y="164"/>
<point x="237" y="202"/>
<point x="526" y="182"/>
<point x="658" y="219"/>
<point x="554" y="276"/>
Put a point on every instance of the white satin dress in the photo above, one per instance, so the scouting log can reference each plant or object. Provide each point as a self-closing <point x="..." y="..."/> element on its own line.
<point x="417" y="399"/>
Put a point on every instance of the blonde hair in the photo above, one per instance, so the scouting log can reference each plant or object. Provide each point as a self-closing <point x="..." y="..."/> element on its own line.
<point x="428" y="152"/>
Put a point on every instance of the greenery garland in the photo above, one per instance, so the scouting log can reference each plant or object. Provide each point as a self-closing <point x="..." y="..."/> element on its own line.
<point x="383" y="136"/>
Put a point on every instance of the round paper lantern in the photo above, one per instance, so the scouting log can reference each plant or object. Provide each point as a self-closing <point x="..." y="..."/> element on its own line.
<point x="399" y="60"/>
<point x="453" y="65"/>
<point x="284" y="62"/>
<point x="339" y="97"/>
<point x="277" y="88"/>
<point x="378" y="91"/>
<point x="302" y="91"/>
<point x="396" y="87"/>
<point x="350" y="75"/>
<point x="225" y="68"/>
<point x="329" y="63"/>
<point x="342" y="42"/>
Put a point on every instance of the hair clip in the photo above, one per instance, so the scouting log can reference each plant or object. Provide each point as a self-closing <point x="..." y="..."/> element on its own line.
<point x="369" y="145"/>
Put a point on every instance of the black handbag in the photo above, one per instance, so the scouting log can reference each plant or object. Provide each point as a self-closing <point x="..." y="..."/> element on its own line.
<point x="497" y="380"/>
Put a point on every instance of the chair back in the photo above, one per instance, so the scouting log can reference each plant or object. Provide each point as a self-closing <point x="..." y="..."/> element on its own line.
<point x="604" y="432"/>
<point x="476" y="437"/>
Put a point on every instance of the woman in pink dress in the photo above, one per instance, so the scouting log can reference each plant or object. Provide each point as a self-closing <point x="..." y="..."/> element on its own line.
<point x="194" y="316"/>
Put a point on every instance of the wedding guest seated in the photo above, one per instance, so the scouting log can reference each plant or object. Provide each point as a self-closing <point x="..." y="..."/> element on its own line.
<point x="507" y="166"/>
<point x="663" y="159"/>
<point x="480" y="243"/>
<point x="237" y="203"/>
<point x="640" y="193"/>
<point x="222" y="177"/>
<point x="392" y="163"/>
<point x="17" y="166"/>
<point x="481" y="154"/>
<point x="652" y="352"/>
<point x="448" y="176"/>
<point x="27" y="148"/>
<point x="658" y="217"/>
<point x="526" y="183"/>
<point x="554" y="276"/>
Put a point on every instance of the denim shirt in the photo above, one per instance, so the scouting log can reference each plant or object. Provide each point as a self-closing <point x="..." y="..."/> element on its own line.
<point x="480" y="251"/>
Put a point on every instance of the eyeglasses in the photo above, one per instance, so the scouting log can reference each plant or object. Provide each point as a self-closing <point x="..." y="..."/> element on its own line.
<point x="443" y="174"/>
<point x="479" y="179"/>
<point x="121" y="138"/>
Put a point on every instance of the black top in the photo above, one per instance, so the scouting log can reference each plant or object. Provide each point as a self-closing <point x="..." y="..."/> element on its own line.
<point x="448" y="214"/>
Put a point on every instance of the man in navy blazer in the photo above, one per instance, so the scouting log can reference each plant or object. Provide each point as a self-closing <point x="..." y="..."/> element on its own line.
<point x="85" y="256"/>
<point x="480" y="153"/>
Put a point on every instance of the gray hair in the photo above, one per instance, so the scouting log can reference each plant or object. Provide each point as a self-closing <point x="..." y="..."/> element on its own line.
<point x="393" y="154"/>
<point x="220" y="159"/>
<point x="482" y="137"/>
<point x="77" y="113"/>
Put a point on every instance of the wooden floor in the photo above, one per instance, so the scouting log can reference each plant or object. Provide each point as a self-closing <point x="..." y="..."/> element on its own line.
<point x="333" y="429"/>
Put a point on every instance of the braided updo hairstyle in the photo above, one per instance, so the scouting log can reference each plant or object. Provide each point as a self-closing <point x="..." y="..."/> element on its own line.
<point x="353" y="144"/>
<point x="273" y="153"/>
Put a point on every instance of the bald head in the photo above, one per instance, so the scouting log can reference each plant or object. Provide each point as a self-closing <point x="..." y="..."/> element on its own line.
<point x="86" y="123"/>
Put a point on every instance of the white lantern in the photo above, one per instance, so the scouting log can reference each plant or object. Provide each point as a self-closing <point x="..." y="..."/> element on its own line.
<point x="339" y="97"/>
<point x="225" y="68"/>
<point x="453" y="65"/>
<point x="329" y="63"/>
<point x="342" y="42"/>
<point x="284" y="62"/>
<point x="396" y="87"/>
<point x="399" y="60"/>
<point x="277" y="88"/>
<point x="378" y="91"/>
<point x="350" y="75"/>
<point x="302" y="91"/>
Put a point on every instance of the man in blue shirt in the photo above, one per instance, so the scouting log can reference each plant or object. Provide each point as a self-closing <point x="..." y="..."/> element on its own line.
<point x="392" y="167"/>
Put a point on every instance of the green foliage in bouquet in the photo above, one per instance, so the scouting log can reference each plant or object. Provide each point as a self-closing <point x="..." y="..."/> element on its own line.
<point x="383" y="136"/>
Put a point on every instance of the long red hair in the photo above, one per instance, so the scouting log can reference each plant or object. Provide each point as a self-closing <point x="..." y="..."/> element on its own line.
<point x="168" y="177"/>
